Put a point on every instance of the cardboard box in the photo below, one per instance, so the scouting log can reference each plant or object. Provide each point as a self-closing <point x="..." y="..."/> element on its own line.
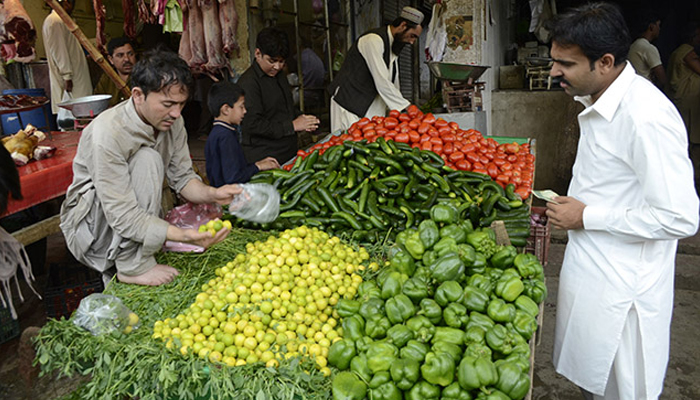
<point x="511" y="77"/>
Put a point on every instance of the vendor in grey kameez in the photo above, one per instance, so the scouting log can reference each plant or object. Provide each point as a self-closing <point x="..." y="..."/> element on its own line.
<point x="110" y="217"/>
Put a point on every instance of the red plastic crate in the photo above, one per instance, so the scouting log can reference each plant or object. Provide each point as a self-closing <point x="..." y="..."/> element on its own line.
<point x="540" y="236"/>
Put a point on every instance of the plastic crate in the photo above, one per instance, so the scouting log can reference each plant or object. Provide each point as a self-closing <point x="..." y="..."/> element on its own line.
<point x="67" y="285"/>
<point x="540" y="236"/>
<point x="9" y="328"/>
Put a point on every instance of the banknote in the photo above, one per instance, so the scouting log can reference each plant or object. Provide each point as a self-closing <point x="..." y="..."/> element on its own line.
<point x="546" y="195"/>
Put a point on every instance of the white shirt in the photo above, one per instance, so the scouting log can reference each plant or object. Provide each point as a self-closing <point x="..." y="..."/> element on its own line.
<point x="644" y="57"/>
<point x="389" y="96"/>
<point x="66" y="60"/>
<point x="633" y="173"/>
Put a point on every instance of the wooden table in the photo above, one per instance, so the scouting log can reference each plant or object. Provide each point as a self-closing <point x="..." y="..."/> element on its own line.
<point x="45" y="180"/>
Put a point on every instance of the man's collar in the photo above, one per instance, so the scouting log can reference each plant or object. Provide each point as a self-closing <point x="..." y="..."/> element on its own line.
<point x="137" y="124"/>
<point x="224" y="124"/>
<point x="609" y="101"/>
<point x="258" y="71"/>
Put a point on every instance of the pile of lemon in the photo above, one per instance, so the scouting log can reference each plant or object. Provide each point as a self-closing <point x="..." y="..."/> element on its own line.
<point x="214" y="226"/>
<point x="273" y="302"/>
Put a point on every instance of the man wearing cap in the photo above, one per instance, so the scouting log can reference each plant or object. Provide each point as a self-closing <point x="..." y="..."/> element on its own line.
<point x="368" y="83"/>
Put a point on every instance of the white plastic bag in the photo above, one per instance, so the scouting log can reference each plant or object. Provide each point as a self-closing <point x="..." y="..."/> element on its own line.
<point x="259" y="202"/>
<point x="64" y="117"/>
<point x="102" y="314"/>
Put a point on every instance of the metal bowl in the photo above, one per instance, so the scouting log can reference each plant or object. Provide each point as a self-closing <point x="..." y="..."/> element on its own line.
<point x="456" y="72"/>
<point x="88" y="106"/>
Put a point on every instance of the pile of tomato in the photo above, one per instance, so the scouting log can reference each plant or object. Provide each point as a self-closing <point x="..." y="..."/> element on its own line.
<point x="466" y="150"/>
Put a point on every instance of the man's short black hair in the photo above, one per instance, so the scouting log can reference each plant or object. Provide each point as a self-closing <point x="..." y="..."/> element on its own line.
<point x="118" y="42"/>
<point x="409" y="24"/>
<point x="222" y="93"/>
<point x="160" y="68"/>
<point x="597" y="28"/>
<point x="273" y="42"/>
<point x="9" y="179"/>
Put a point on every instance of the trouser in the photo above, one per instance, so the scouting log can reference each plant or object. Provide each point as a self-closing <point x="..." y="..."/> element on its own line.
<point x="626" y="380"/>
<point x="108" y="249"/>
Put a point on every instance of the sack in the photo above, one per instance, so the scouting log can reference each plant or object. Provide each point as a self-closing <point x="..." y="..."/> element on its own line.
<point x="102" y="314"/>
<point x="259" y="202"/>
<point x="65" y="117"/>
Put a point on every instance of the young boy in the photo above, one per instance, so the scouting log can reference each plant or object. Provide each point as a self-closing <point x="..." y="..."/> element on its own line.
<point x="225" y="161"/>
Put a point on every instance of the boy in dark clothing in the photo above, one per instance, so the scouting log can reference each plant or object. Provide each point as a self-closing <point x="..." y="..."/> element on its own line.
<point x="225" y="161"/>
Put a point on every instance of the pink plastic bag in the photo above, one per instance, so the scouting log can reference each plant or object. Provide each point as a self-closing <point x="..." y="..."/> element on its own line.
<point x="190" y="216"/>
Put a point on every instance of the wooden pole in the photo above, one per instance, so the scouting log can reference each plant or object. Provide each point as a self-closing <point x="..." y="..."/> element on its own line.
<point x="87" y="45"/>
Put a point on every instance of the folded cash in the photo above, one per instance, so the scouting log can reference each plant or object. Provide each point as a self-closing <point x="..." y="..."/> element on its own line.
<point x="546" y="195"/>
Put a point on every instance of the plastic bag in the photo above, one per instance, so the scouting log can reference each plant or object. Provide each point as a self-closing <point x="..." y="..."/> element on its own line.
<point x="65" y="118"/>
<point x="259" y="202"/>
<point x="102" y="314"/>
<point x="190" y="216"/>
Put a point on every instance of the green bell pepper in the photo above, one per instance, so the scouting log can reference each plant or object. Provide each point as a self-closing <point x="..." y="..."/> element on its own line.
<point x="445" y="245"/>
<point x="422" y="328"/>
<point x="386" y="391"/>
<point x="429" y="257"/>
<point x="474" y="373"/>
<point x="479" y="265"/>
<point x="500" y="311"/>
<point x="517" y="359"/>
<point x="466" y="225"/>
<point x="392" y="285"/>
<point x="479" y="350"/>
<point x="438" y="369"/>
<point x="475" y="298"/>
<point x="416" y="289"/>
<point x="373" y="306"/>
<point x="482" y="282"/>
<point x="347" y="386"/>
<point x="353" y="327"/>
<point x="455" y="315"/>
<point x="536" y="290"/>
<point x="527" y="305"/>
<point x="492" y="394"/>
<point x="359" y="366"/>
<point x="507" y="273"/>
<point x="504" y="257"/>
<point x="529" y="266"/>
<point x="455" y="392"/>
<point x="480" y="320"/>
<point x="474" y="334"/>
<point x="399" y="308"/>
<point x="525" y="324"/>
<point x="399" y="335"/>
<point x="367" y="290"/>
<point x="450" y="349"/>
<point x="414" y="245"/>
<point x="379" y="379"/>
<point x="363" y="343"/>
<point x="453" y="231"/>
<point x="405" y="373"/>
<point x="443" y="213"/>
<point x="380" y="356"/>
<point x="422" y="272"/>
<point x="449" y="335"/>
<point x="429" y="233"/>
<point x="512" y="381"/>
<point x="414" y="350"/>
<point x="467" y="254"/>
<point x="423" y="391"/>
<point x="509" y="288"/>
<point x="448" y="292"/>
<point x="500" y="339"/>
<point x="377" y="326"/>
<point x="347" y="307"/>
<point x="447" y="268"/>
<point x="431" y="310"/>
<point x="403" y="262"/>
<point x="494" y="274"/>
<point x="341" y="354"/>
<point x="401" y="237"/>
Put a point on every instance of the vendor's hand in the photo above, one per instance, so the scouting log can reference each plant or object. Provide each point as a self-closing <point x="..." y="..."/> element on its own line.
<point x="225" y="194"/>
<point x="193" y="236"/>
<point x="267" y="163"/>
<point x="305" y="122"/>
<point x="568" y="214"/>
<point x="69" y="85"/>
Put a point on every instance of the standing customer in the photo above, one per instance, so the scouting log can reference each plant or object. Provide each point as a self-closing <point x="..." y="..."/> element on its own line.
<point x="111" y="215"/>
<point x="643" y="55"/>
<point x="368" y="82"/>
<point x="630" y="199"/>
<point x="122" y="56"/>
<point x="269" y="129"/>
<point x="684" y="88"/>
<point x="68" y="69"/>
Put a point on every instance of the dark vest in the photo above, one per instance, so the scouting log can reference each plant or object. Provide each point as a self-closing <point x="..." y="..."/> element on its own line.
<point x="357" y="88"/>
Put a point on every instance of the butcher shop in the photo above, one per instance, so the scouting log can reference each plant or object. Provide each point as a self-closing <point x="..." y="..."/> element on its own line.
<point x="336" y="199"/>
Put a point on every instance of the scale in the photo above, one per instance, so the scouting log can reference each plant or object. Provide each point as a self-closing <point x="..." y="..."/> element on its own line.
<point x="80" y="123"/>
<point x="460" y="90"/>
<point x="537" y="72"/>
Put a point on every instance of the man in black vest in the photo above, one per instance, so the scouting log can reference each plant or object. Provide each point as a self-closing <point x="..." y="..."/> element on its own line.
<point x="368" y="83"/>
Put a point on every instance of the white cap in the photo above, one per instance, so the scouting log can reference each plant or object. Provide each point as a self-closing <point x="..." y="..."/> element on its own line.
<point x="411" y="14"/>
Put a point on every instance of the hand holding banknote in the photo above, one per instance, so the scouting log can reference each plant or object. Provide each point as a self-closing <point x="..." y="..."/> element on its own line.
<point x="566" y="212"/>
<point x="546" y="195"/>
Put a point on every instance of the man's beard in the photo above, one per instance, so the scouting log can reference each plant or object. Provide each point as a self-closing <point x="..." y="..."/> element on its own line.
<point x="398" y="44"/>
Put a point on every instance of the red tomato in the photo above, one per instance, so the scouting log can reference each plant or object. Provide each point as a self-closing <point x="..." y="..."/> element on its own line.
<point x="401" y="137"/>
<point x="412" y="110"/>
<point x="468" y="147"/>
<point x="499" y="162"/>
<point x="415" y="145"/>
<point x="414" y="124"/>
<point x="368" y="126"/>
<point x="369" y="132"/>
<point x="429" y="118"/>
<point x="472" y="157"/>
<point x="404" y="117"/>
<point x="301" y="153"/>
<point x="424" y="138"/>
<point x="463" y="165"/>
<point x="437" y="148"/>
<point x="377" y="119"/>
<point x="512" y="148"/>
<point x="413" y="136"/>
<point x="362" y="122"/>
<point x="523" y="192"/>
<point x="448" y="136"/>
<point x="502" y="179"/>
<point x="483" y="159"/>
<point x="394" y="113"/>
<point x="423" y="128"/>
<point x="492" y="169"/>
<point x="511" y="158"/>
<point x="426" y="146"/>
<point x="382" y="131"/>
<point x="391" y="123"/>
<point x="456" y="156"/>
<point x="479" y="170"/>
<point x="436" y="140"/>
<point x="454" y="125"/>
<point x="507" y="166"/>
<point x="516" y="180"/>
<point x="432" y="131"/>
<point x="440" y="123"/>
<point x="448" y="148"/>
<point x="390" y="135"/>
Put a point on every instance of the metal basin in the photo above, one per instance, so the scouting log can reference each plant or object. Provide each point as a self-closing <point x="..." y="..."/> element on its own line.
<point x="456" y="72"/>
<point x="88" y="106"/>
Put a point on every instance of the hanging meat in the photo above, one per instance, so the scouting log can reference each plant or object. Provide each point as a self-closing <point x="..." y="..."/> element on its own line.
<point x="145" y="14"/>
<point x="228" y="18"/>
<point x="212" y="36"/>
<point x="185" y="51"/>
<point x="17" y="33"/>
<point x="195" y="26"/>
<point x="129" y="19"/>
<point x="100" y="15"/>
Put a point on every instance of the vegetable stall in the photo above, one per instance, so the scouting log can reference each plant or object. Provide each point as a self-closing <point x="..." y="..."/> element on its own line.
<point x="382" y="278"/>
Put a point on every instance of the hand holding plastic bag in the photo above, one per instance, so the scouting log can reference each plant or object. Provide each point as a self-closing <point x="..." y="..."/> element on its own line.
<point x="102" y="314"/>
<point x="258" y="202"/>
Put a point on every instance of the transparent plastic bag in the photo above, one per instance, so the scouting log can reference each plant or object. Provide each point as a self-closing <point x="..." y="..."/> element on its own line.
<point x="259" y="202"/>
<point x="102" y="314"/>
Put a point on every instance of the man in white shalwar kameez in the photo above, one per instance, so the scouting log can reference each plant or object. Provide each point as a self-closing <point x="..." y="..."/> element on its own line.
<point x="630" y="199"/>
<point x="368" y="83"/>
<point x="68" y="68"/>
